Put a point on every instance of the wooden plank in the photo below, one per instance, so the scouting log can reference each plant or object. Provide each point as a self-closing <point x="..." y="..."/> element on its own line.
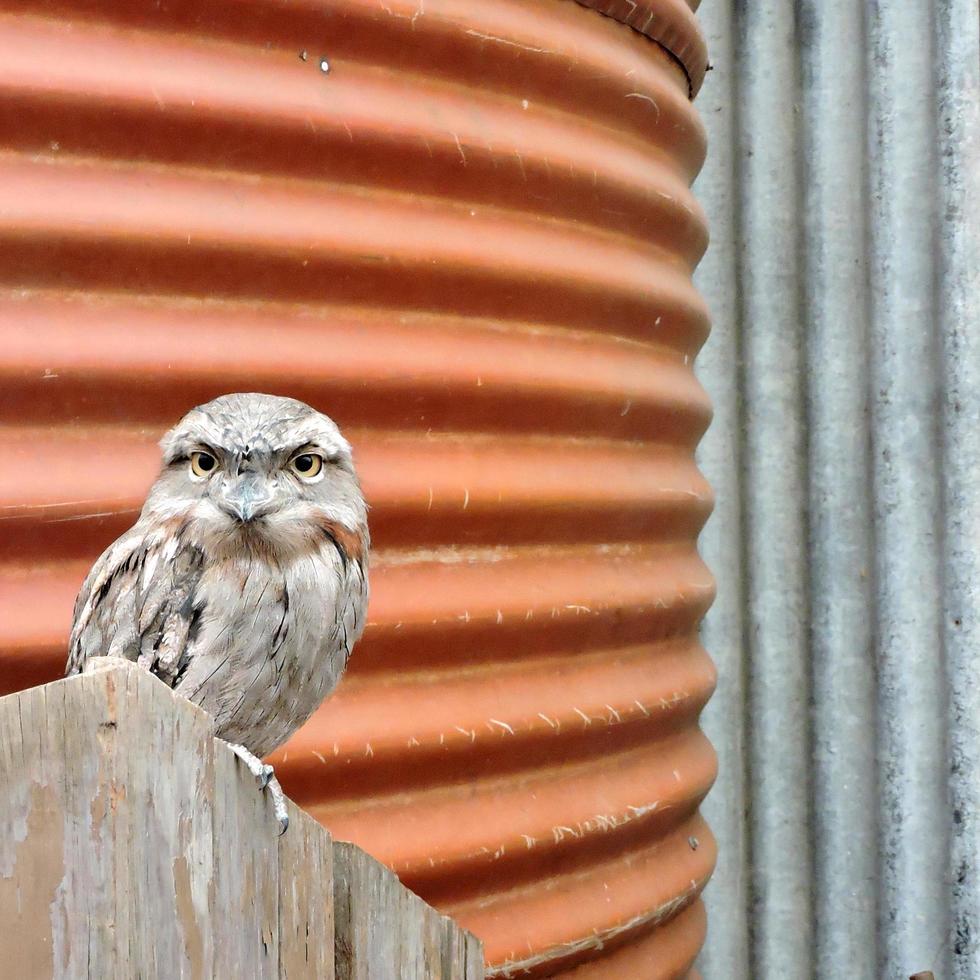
<point x="158" y="835"/>
<point x="137" y="845"/>
<point x="306" y="926"/>
<point x="246" y="873"/>
<point x="384" y="931"/>
<point x="462" y="953"/>
<point x="363" y="949"/>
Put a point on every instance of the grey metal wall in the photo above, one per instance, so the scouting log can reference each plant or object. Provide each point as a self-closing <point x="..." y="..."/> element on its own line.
<point x="843" y="192"/>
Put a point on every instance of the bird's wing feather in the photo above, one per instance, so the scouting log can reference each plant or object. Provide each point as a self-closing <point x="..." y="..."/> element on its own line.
<point x="353" y="606"/>
<point x="138" y="603"/>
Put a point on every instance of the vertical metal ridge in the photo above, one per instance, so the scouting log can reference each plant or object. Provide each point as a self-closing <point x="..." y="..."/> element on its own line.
<point x="958" y="105"/>
<point x="837" y="306"/>
<point x="911" y="703"/>
<point x="775" y="486"/>
<point x="727" y="951"/>
<point x="855" y="269"/>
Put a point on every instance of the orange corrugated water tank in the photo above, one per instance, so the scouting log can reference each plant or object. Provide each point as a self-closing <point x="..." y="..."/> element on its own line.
<point x="464" y="229"/>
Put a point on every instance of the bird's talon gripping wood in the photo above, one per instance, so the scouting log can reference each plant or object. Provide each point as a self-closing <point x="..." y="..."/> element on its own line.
<point x="278" y="804"/>
<point x="266" y="778"/>
<point x="243" y="585"/>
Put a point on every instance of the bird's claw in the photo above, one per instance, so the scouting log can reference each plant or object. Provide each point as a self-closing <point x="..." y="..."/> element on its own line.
<point x="278" y="804"/>
<point x="266" y="778"/>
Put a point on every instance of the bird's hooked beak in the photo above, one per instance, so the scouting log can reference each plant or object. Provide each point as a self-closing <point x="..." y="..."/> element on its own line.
<point x="247" y="497"/>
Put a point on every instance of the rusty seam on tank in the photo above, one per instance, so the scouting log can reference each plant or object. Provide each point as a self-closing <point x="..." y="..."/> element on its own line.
<point x="646" y="37"/>
<point x="672" y="56"/>
<point x="599" y="940"/>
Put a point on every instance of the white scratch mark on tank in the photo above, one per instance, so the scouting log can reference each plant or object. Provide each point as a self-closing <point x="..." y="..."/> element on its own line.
<point x="431" y="495"/>
<point x="471" y="733"/>
<point x="503" y="725"/>
<point x="500" y="617"/>
<point x="459" y="146"/>
<point x="583" y="716"/>
<point x="508" y="42"/>
<point x="642" y="811"/>
<point x="560" y="832"/>
<point x="413" y="742"/>
<point x="645" y="98"/>
<point x="529" y="841"/>
<point x="642" y="708"/>
<point x="368" y="751"/>
<point x="520" y="161"/>
<point x="466" y="497"/>
<point x="553" y="723"/>
<point x="627" y="407"/>
<point x="320" y="756"/>
<point x="81" y="517"/>
<point x="614" y="713"/>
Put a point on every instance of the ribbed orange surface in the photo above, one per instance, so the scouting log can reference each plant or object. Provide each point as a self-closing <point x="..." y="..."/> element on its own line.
<point x="470" y="241"/>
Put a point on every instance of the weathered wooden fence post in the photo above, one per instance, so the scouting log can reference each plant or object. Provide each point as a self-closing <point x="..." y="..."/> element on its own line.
<point x="133" y="844"/>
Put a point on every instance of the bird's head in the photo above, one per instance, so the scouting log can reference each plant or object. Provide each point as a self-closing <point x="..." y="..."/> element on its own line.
<point x="260" y="470"/>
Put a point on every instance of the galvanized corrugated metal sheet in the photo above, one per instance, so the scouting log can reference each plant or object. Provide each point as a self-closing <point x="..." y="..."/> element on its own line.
<point x="463" y="229"/>
<point x="844" y="364"/>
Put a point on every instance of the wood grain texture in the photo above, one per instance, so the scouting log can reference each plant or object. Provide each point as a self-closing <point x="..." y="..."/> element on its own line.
<point x="383" y="930"/>
<point x="136" y="845"/>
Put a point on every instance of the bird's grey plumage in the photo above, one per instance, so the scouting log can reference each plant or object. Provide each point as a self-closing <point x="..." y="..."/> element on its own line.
<point x="244" y="588"/>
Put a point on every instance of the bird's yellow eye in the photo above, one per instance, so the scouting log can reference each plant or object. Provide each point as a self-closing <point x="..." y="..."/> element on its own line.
<point x="306" y="465"/>
<point x="203" y="464"/>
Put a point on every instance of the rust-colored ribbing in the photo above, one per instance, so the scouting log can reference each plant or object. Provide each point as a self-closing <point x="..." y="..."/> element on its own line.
<point x="463" y="229"/>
